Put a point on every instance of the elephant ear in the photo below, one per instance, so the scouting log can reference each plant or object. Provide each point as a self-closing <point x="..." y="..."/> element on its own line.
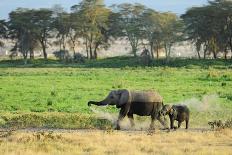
<point x="124" y="97"/>
<point x="173" y="112"/>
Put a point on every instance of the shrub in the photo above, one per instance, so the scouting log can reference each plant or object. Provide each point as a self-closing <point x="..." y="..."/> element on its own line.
<point x="79" y="58"/>
<point x="62" y="54"/>
<point x="219" y="124"/>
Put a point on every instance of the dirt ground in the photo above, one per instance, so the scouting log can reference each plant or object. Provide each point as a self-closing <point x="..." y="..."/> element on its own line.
<point x="59" y="141"/>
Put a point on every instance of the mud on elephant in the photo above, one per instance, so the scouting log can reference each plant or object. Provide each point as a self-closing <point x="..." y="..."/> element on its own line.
<point x="142" y="103"/>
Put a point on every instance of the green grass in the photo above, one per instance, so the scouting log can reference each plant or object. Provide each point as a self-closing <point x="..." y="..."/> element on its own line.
<point x="66" y="88"/>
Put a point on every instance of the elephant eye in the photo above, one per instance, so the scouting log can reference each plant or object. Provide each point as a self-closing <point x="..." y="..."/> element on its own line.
<point x="111" y="97"/>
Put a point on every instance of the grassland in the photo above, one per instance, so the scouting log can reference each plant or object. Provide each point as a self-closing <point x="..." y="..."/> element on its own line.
<point x="45" y="91"/>
<point x="53" y="95"/>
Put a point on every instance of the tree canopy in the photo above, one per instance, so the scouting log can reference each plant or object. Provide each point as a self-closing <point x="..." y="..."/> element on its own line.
<point x="95" y="26"/>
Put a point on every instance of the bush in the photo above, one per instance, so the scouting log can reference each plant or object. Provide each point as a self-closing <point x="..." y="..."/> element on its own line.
<point x="79" y="58"/>
<point x="218" y="124"/>
<point x="62" y="54"/>
<point x="53" y="120"/>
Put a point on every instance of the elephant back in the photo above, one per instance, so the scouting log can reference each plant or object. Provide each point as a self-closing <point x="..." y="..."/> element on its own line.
<point x="146" y="96"/>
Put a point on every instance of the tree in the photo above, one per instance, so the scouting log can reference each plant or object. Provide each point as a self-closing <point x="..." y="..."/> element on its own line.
<point x="153" y="31"/>
<point x="130" y="23"/>
<point x="3" y="31"/>
<point x="92" y="24"/>
<point x="22" y="29"/>
<point x="62" y="26"/>
<point x="223" y="9"/>
<point x="42" y="20"/>
<point x="210" y="27"/>
<point x="171" y="28"/>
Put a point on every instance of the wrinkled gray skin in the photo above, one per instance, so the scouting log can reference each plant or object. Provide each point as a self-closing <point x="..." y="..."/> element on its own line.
<point x="142" y="103"/>
<point x="179" y="113"/>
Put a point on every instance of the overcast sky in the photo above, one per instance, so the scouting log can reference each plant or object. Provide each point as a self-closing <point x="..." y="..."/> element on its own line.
<point x="176" y="6"/>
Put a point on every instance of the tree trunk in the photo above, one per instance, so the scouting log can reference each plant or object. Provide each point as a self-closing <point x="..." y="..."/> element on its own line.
<point x="151" y="48"/>
<point x="63" y="43"/>
<point x="44" y="52"/>
<point x="73" y="48"/>
<point x="60" y="45"/>
<point x="157" y="51"/>
<point x="95" y="50"/>
<point x="214" y="54"/>
<point x="225" y="53"/>
<point x="169" y="53"/>
<point x="134" y="45"/>
<point x="86" y="47"/>
<point x="226" y="56"/>
<point x="90" y="47"/>
<point x="95" y="53"/>
<point x="74" y="52"/>
<point x="134" y="50"/>
<point x="205" y="51"/>
<point x="231" y="47"/>
<point x="25" y="57"/>
<point x="31" y="54"/>
<point x="90" y="52"/>
<point x="199" y="55"/>
<point x="166" y="51"/>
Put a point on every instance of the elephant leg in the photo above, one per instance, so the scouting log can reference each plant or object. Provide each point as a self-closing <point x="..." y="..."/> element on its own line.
<point x="179" y="124"/>
<point x="123" y="112"/>
<point x="187" y="122"/>
<point x="163" y="122"/>
<point x="171" y="123"/>
<point x="152" y="127"/>
<point x="131" y="118"/>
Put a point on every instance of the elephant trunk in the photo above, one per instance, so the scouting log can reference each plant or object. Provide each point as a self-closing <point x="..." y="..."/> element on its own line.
<point x="101" y="103"/>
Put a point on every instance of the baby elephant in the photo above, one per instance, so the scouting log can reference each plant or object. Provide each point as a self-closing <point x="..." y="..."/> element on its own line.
<point x="179" y="113"/>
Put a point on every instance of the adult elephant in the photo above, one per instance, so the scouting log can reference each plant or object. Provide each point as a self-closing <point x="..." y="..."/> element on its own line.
<point x="142" y="103"/>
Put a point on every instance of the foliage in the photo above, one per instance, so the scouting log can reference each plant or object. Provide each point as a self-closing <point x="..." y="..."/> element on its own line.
<point x="29" y="28"/>
<point x="218" y="124"/>
<point x="3" y="31"/>
<point x="62" y="54"/>
<point x="96" y="27"/>
<point x="92" y="25"/>
<point x="129" y="23"/>
<point x="209" y="27"/>
<point x="79" y="58"/>
<point x="62" y="25"/>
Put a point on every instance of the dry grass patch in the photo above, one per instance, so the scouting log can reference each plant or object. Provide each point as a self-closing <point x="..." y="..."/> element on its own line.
<point x="117" y="142"/>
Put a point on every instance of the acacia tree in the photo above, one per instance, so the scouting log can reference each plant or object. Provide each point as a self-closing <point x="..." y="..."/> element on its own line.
<point x="130" y="22"/>
<point x="43" y="20"/>
<point x="153" y="31"/>
<point x="62" y="27"/>
<point x="210" y="27"/>
<point x="223" y="11"/>
<point x="171" y="28"/>
<point x="3" y="31"/>
<point x="22" y="30"/>
<point x="92" y="24"/>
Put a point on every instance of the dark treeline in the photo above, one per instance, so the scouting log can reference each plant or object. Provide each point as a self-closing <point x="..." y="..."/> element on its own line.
<point x="96" y="26"/>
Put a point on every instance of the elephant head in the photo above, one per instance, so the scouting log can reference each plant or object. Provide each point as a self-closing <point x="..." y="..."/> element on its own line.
<point x="115" y="97"/>
<point x="168" y="109"/>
